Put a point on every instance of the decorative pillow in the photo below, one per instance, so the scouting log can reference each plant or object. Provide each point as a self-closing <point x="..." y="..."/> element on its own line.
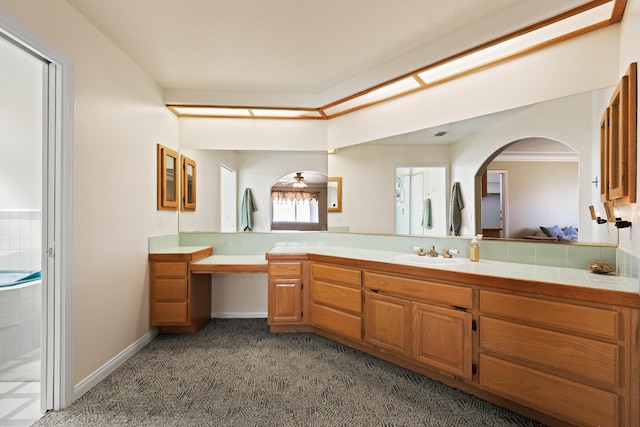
<point x="570" y="231"/>
<point x="554" y="231"/>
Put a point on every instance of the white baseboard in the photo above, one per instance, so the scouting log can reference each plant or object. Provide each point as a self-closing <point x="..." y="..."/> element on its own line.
<point x="85" y="385"/>
<point x="239" y="315"/>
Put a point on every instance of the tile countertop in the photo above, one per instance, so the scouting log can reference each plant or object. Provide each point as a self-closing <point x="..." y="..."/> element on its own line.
<point x="180" y="250"/>
<point x="558" y="275"/>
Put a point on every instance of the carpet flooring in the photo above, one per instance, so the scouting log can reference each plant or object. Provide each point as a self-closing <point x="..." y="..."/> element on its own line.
<point x="233" y="372"/>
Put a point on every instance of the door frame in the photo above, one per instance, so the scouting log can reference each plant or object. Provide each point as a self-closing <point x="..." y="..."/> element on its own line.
<point x="57" y="216"/>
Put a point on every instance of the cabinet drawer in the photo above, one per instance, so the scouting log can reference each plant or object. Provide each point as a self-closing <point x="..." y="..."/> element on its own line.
<point x="285" y="269"/>
<point x="565" y="399"/>
<point x="585" y="357"/>
<point x="169" y="313"/>
<point x="338" y="296"/>
<point x="420" y="289"/>
<point x="577" y="318"/>
<point x="171" y="290"/>
<point x="170" y="269"/>
<point x="339" y="322"/>
<point x="330" y="273"/>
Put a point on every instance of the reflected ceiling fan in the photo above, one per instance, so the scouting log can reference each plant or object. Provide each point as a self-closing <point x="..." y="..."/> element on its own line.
<point x="298" y="180"/>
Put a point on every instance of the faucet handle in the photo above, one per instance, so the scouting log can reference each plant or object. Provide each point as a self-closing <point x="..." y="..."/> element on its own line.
<point x="420" y="250"/>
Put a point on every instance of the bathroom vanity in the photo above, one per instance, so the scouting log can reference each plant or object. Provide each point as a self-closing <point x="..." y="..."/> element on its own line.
<point x="564" y="354"/>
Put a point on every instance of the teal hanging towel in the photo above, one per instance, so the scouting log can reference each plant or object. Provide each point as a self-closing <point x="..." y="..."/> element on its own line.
<point x="455" y="210"/>
<point x="248" y="208"/>
<point x="426" y="215"/>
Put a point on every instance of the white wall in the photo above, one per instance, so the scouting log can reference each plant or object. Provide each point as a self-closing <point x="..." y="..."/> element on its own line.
<point x="119" y="119"/>
<point x="20" y="129"/>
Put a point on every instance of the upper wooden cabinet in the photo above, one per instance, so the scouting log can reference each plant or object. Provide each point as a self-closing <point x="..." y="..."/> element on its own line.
<point x="618" y="139"/>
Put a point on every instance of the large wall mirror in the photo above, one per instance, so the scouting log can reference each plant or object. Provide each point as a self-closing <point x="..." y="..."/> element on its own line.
<point x="464" y="149"/>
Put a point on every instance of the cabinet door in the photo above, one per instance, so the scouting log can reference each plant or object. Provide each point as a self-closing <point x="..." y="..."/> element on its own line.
<point x="442" y="339"/>
<point x="388" y="323"/>
<point x="285" y="301"/>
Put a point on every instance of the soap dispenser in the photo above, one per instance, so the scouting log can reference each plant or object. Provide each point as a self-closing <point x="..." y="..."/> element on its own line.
<point x="474" y="250"/>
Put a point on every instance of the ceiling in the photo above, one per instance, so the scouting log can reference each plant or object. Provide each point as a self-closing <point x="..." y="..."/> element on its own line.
<point x="333" y="47"/>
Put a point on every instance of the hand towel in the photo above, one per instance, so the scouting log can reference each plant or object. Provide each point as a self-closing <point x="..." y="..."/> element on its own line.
<point x="248" y="208"/>
<point x="455" y="207"/>
<point x="426" y="215"/>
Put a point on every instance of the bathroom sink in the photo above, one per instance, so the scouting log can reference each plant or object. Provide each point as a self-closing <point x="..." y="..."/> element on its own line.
<point x="427" y="261"/>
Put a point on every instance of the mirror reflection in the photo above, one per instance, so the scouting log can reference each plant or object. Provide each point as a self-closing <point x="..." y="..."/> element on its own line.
<point x="530" y="184"/>
<point x="421" y="201"/>
<point x="224" y="175"/>
<point x="464" y="150"/>
<point x="299" y="202"/>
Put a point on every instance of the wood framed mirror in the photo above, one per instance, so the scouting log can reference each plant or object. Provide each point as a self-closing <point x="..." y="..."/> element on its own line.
<point x="188" y="184"/>
<point x="334" y="194"/>
<point x="167" y="179"/>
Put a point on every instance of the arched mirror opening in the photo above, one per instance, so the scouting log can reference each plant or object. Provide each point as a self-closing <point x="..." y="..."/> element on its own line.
<point x="299" y="202"/>
<point x="420" y="201"/>
<point x="530" y="190"/>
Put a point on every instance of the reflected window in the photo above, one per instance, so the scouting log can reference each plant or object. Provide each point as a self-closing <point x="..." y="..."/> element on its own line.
<point x="295" y="207"/>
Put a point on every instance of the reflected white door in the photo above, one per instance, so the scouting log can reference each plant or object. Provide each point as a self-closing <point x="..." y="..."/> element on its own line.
<point x="228" y="201"/>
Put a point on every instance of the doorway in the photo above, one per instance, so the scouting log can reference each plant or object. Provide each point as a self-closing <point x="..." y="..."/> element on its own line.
<point x="494" y="204"/>
<point x="54" y="240"/>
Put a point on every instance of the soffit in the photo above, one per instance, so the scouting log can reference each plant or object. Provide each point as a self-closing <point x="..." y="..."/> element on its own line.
<point x="297" y="46"/>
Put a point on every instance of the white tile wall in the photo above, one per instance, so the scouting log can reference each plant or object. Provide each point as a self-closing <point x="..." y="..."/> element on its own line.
<point x="20" y="240"/>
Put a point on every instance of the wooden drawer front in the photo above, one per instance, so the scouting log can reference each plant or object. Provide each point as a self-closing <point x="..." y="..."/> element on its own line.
<point x="330" y="273"/>
<point x="442" y="338"/>
<point x="337" y="296"/>
<point x="285" y="269"/>
<point x="585" y="357"/>
<point x="170" y="313"/>
<point x="420" y="289"/>
<point x="171" y="289"/>
<point x="594" y="321"/>
<point x="580" y="404"/>
<point x="339" y="322"/>
<point x="170" y="269"/>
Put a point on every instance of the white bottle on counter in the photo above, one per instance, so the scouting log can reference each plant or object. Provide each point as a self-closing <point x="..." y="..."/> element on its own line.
<point x="474" y="250"/>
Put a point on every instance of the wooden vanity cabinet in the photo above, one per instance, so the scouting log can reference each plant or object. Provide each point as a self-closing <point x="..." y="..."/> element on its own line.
<point x="556" y="353"/>
<point x="429" y="323"/>
<point x="336" y="300"/>
<point x="561" y="358"/>
<point x="178" y="304"/>
<point x="287" y="300"/>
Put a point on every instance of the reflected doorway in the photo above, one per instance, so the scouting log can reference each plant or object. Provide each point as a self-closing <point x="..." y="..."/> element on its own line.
<point x="494" y="204"/>
<point x="421" y="201"/>
<point x="228" y="205"/>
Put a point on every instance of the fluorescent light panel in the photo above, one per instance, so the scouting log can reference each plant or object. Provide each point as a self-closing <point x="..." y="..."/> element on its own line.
<point x="385" y="92"/>
<point x="517" y="44"/>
